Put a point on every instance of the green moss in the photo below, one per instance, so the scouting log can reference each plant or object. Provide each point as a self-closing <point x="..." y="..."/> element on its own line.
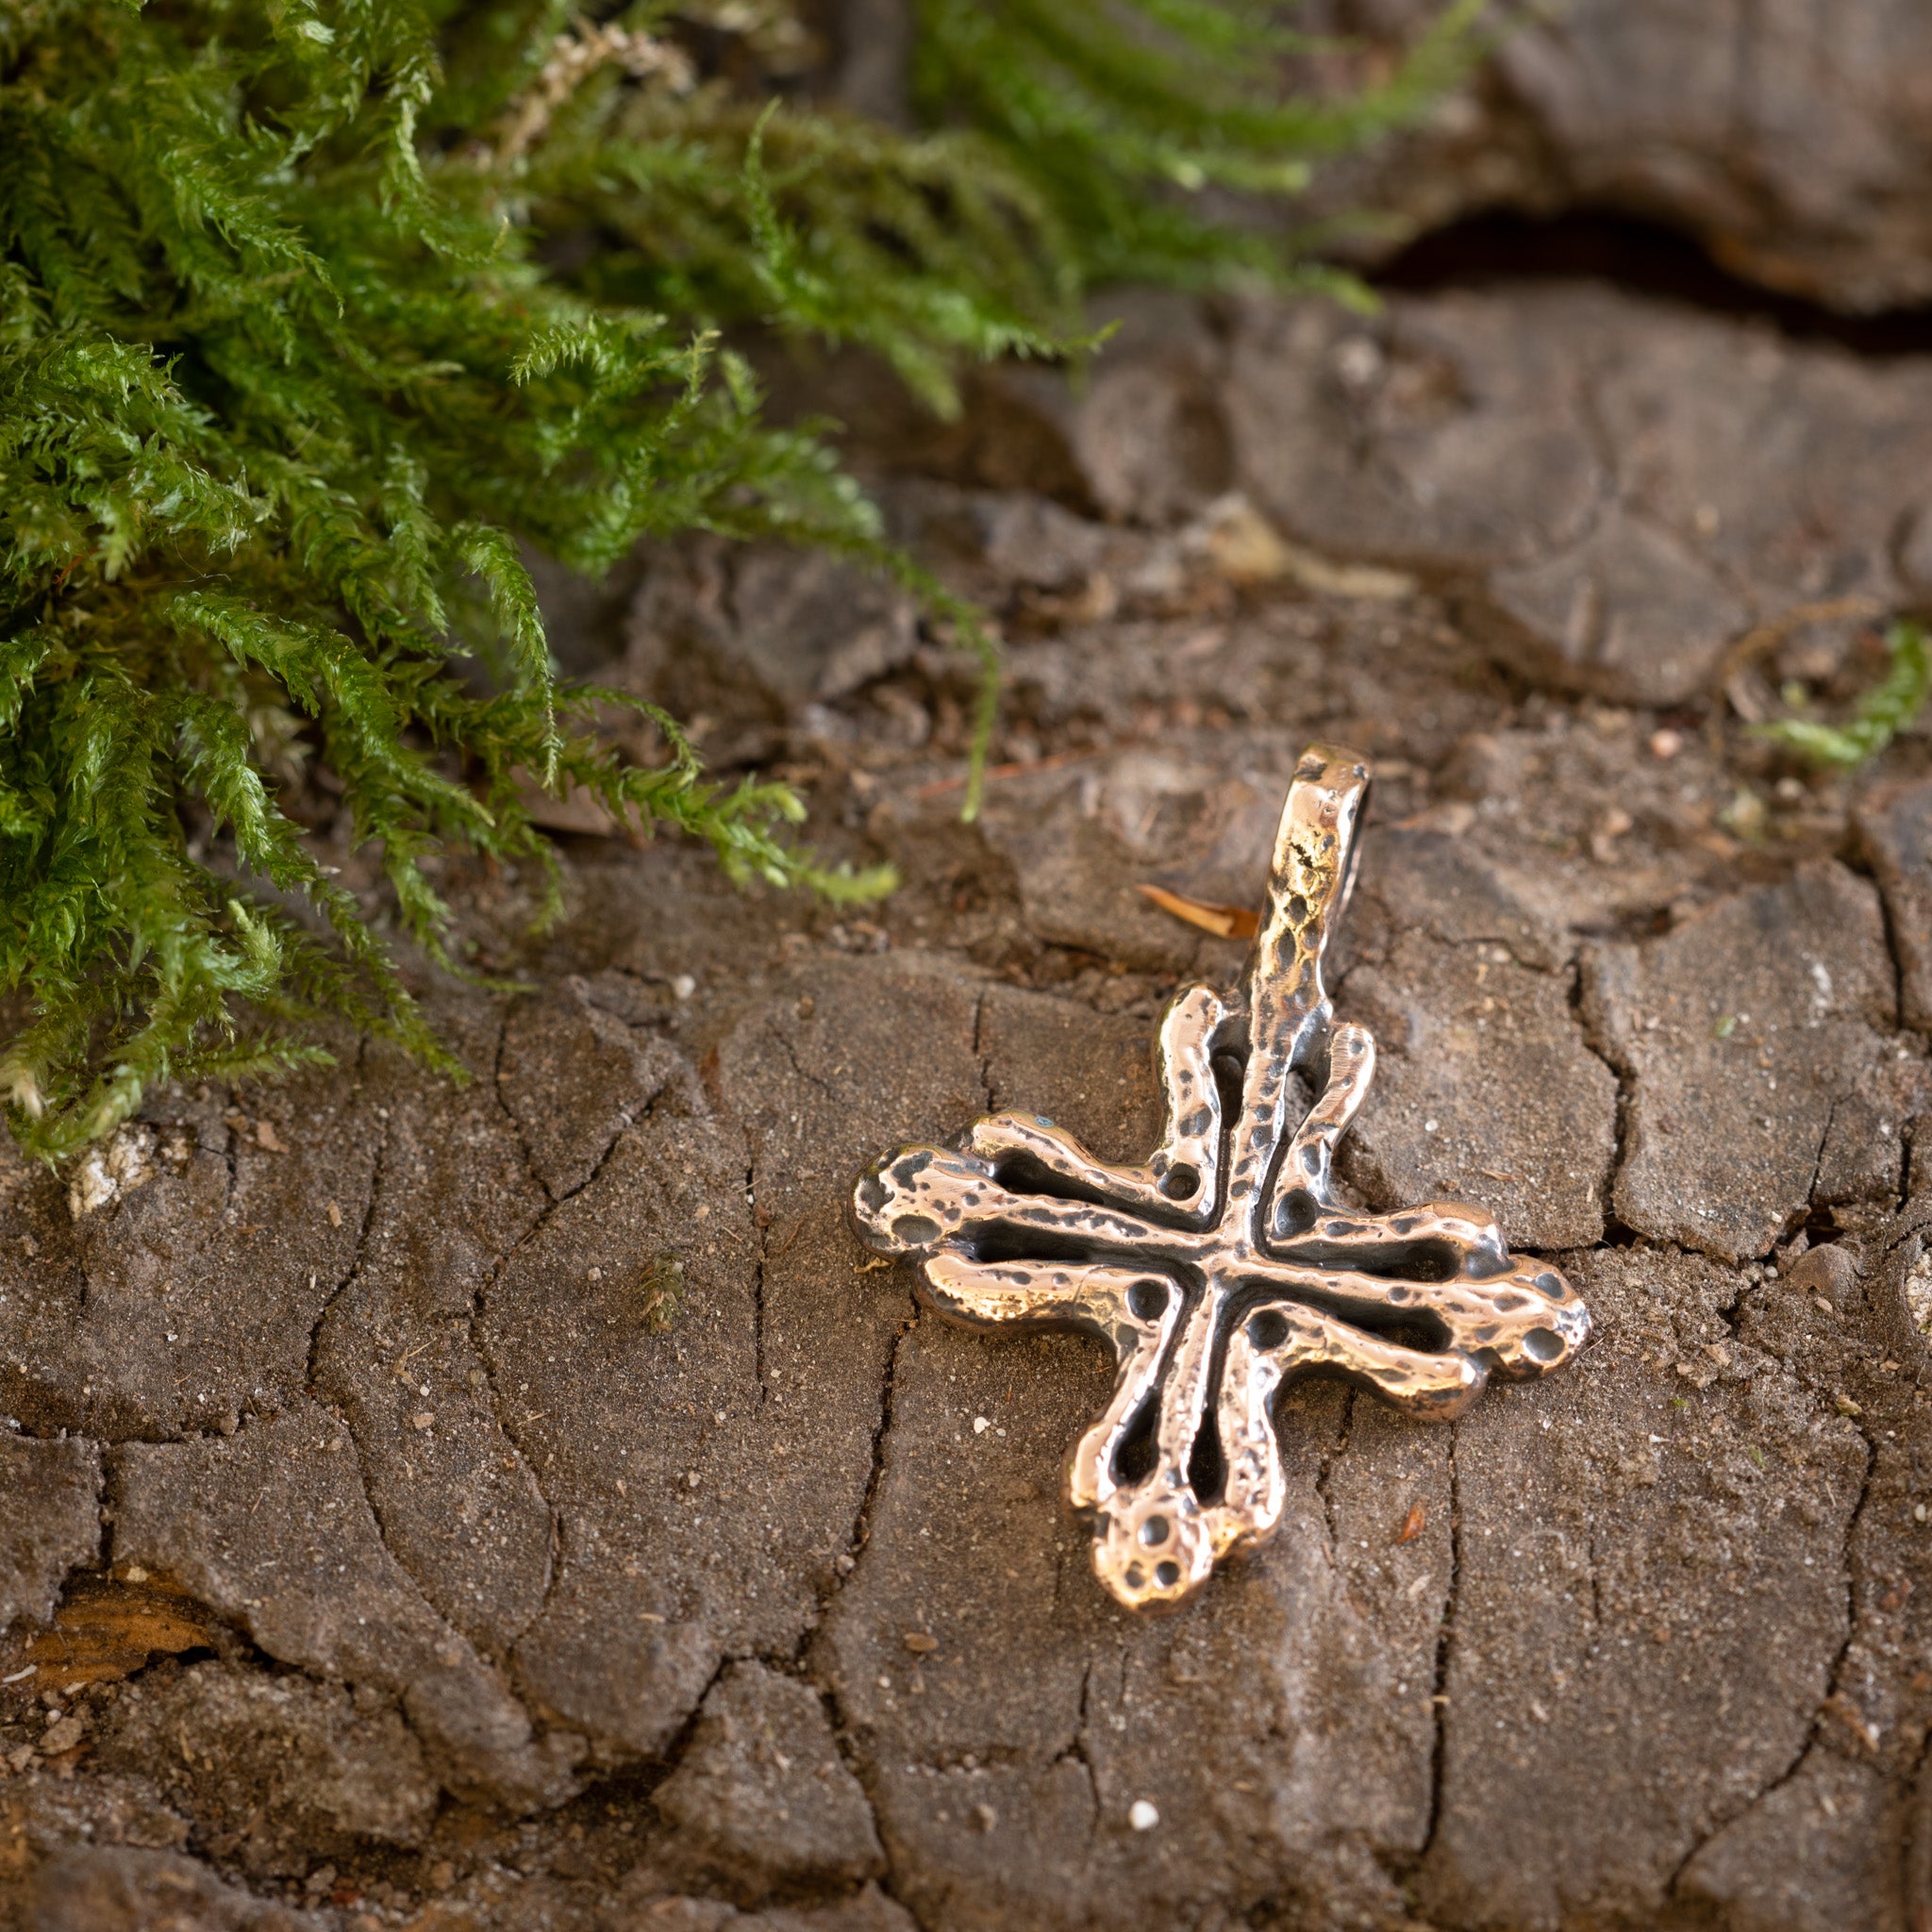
<point x="1880" y="715"/>
<point x="289" y="350"/>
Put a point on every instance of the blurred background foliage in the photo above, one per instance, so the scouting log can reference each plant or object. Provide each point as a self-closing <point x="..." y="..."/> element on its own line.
<point x="314" y="313"/>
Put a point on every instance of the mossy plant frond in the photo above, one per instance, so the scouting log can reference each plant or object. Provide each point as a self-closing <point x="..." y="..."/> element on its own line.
<point x="925" y="249"/>
<point x="275" y="392"/>
<point x="1885" y="710"/>
<point x="313" y="313"/>
<point x="1120" y="116"/>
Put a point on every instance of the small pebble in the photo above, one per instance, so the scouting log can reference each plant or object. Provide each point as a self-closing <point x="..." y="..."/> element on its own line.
<point x="1665" y="744"/>
<point x="62" y="1735"/>
<point x="1143" y="1815"/>
<point x="1357" y="360"/>
<point x="980" y="1426"/>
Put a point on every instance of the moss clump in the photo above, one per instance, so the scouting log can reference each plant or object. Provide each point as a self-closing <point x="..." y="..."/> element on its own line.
<point x="296" y="346"/>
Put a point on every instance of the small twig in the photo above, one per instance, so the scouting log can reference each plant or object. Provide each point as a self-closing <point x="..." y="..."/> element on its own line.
<point x="1767" y="636"/>
<point x="573" y="57"/>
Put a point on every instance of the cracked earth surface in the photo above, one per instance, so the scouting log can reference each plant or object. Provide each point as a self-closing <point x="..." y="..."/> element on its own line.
<point x="526" y="1503"/>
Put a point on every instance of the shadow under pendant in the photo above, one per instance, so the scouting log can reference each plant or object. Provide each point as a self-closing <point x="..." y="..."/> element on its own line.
<point x="1226" y="1265"/>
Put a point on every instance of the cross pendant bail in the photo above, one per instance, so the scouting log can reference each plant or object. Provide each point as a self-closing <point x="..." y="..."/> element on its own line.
<point x="1310" y="876"/>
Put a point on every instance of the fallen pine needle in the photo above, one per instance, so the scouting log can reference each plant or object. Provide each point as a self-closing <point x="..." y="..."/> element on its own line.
<point x="1227" y="922"/>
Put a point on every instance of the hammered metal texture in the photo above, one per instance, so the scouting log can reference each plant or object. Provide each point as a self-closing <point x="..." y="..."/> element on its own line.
<point x="1226" y="1265"/>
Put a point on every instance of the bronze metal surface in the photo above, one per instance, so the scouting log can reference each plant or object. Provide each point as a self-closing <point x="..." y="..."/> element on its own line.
<point x="1227" y="1264"/>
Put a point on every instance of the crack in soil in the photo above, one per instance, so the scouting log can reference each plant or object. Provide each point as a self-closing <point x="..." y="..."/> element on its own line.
<point x="479" y="1309"/>
<point x="1597" y="1044"/>
<point x="495" y="1269"/>
<point x="358" y="1458"/>
<point x="845" y="1564"/>
<point x="503" y="1107"/>
<point x="1077" y="1752"/>
<point x="627" y="1119"/>
<point x="471" y="1322"/>
<point x="1330" y="1457"/>
<point x="1818" y="1161"/>
<point x="377" y="1169"/>
<point x="861" y="1523"/>
<point x="486" y="1360"/>
<point x="1445" y="1644"/>
<point x="798" y="1066"/>
<point x="856" y="1759"/>
<point x="1814" y="1732"/>
<point x="1859" y="861"/>
<point x="864" y="1771"/>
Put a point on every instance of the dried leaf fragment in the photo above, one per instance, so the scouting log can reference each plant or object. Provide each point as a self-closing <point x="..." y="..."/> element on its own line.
<point x="109" y="1627"/>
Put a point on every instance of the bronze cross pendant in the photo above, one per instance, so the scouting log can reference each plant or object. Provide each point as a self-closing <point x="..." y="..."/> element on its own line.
<point x="1226" y="1264"/>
